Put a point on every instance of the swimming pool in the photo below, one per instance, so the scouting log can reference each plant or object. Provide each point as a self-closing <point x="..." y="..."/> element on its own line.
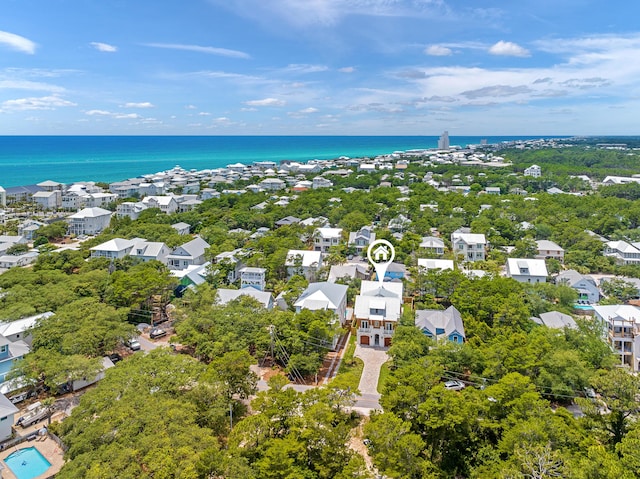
<point x="27" y="463"/>
<point x="583" y="307"/>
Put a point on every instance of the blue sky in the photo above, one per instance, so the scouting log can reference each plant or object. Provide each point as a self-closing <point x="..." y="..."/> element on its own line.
<point x="320" y="67"/>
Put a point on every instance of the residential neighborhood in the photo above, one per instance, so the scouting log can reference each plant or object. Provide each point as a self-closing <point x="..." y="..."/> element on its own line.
<point x="492" y="282"/>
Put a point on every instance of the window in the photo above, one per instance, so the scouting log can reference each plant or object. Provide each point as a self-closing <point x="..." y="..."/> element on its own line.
<point x="364" y="324"/>
<point x="388" y="326"/>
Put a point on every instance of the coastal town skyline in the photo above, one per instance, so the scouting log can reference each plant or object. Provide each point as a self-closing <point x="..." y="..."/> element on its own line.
<point x="347" y="67"/>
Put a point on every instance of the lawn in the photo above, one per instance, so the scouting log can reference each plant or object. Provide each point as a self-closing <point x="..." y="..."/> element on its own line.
<point x="350" y="368"/>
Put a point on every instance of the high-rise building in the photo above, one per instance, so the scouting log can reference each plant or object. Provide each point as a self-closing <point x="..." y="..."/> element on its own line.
<point x="443" y="142"/>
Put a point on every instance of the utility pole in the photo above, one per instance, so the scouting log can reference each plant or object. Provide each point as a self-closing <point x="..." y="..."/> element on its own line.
<point x="272" y="332"/>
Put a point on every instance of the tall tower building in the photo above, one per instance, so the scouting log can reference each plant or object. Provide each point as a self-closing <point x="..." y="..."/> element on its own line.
<point x="443" y="142"/>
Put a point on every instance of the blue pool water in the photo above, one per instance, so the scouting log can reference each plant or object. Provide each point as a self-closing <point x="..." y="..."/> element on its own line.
<point x="27" y="463"/>
<point x="584" y="307"/>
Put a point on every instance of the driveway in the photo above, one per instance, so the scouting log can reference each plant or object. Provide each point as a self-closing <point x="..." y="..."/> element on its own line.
<point x="373" y="359"/>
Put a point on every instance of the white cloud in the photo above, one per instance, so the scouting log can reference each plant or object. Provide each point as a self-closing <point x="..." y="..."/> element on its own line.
<point x="438" y="51"/>
<point x="304" y="68"/>
<point x="508" y="49"/>
<point x="224" y="52"/>
<point x="18" y="43"/>
<point x="347" y="69"/>
<point x="327" y="13"/>
<point x="98" y="113"/>
<point x="265" y="102"/>
<point x="144" y="104"/>
<point x="204" y="113"/>
<point x="128" y="116"/>
<point x="191" y="107"/>
<point x="29" y="85"/>
<point x="302" y="113"/>
<point x="41" y="103"/>
<point x="104" y="47"/>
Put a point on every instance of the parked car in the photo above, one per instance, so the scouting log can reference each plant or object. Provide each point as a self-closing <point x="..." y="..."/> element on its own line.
<point x="157" y="333"/>
<point x="454" y="385"/>
<point x="115" y="357"/>
<point x="134" y="344"/>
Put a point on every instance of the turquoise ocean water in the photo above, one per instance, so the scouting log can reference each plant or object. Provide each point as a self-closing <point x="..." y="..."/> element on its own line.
<point x="26" y="160"/>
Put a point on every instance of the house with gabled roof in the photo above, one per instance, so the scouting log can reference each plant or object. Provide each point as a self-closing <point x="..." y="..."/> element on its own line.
<point x="325" y="238"/>
<point x="361" y="239"/>
<point x="89" y="221"/>
<point x="623" y="252"/>
<point x="325" y="296"/>
<point x="426" y="264"/>
<point x="622" y="323"/>
<point x="116" y="248"/>
<point x="548" y="249"/>
<point x="20" y="329"/>
<point x="433" y="245"/>
<point x="556" y="320"/>
<point x="130" y="209"/>
<point x="304" y="263"/>
<point x="225" y="296"/>
<point x="527" y="270"/>
<point x="588" y="292"/>
<point x="377" y="311"/>
<point x="150" y="251"/>
<point x="190" y="253"/>
<point x="470" y="246"/>
<point x="167" y="204"/>
<point x="438" y="324"/>
<point x="287" y="220"/>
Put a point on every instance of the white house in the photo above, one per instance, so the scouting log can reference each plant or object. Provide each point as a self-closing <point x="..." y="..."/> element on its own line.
<point x="534" y="171"/>
<point x="29" y="228"/>
<point x="433" y="244"/>
<point x="470" y="246"/>
<point x="623" y="325"/>
<point x="273" y="184"/>
<point x="116" y="248"/>
<point x="362" y="238"/>
<point x="325" y="238"/>
<point x="548" y="249"/>
<point x="348" y="271"/>
<point x="376" y="312"/>
<point x="325" y="296"/>
<point x="253" y="277"/>
<point x="3" y="197"/>
<point x="527" y="270"/>
<point x="225" y="296"/>
<point x="150" y="250"/>
<point x="191" y="253"/>
<point x="13" y="261"/>
<point x="440" y="264"/>
<point x="556" y="320"/>
<point x="130" y="209"/>
<point x="167" y="204"/>
<point x="588" y="292"/>
<point x="7" y="417"/>
<point x="182" y="228"/>
<point x="623" y="252"/>
<point x="89" y="221"/>
<point x="303" y="262"/>
<point x="48" y="200"/>
<point x="20" y="329"/>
